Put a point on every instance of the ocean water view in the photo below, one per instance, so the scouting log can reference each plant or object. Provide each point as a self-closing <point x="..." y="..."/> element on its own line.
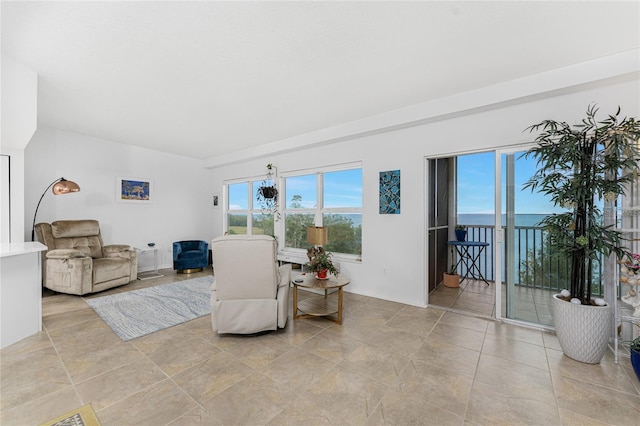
<point x="488" y="219"/>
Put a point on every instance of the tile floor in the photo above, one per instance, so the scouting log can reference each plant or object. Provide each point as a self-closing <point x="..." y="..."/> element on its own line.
<point x="530" y="304"/>
<point x="388" y="363"/>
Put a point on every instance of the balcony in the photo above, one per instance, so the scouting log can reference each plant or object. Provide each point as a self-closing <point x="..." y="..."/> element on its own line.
<point x="538" y="275"/>
<point x="535" y="266"/>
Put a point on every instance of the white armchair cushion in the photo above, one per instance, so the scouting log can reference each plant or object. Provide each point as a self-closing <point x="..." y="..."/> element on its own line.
<point x="250" y="292"/>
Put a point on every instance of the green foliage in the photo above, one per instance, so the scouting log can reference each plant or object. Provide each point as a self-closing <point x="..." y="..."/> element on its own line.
<point x="342" y="235"/>
<point x="321" y="260"/>
<point x="542" y="268"/>
<point x="576" y="167"/>
<point x="296" y="229"/>
<point x="262" y="224"/>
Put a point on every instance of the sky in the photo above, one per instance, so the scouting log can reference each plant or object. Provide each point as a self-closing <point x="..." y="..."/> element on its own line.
<point x="341" y="188"/>
<point x="476" y="185"/>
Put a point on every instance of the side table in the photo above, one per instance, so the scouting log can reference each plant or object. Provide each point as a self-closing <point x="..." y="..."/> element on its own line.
<point x="318" y="305"/>
<point x="149" y="274"/>
<point x="469" y="258"/>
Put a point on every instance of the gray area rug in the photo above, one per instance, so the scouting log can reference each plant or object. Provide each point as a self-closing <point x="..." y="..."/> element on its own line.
<point x="140" y="312"/>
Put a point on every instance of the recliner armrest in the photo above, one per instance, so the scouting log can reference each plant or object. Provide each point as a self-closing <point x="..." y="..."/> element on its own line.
<point x="285" y="275"/>
<point x="115" y="248"/>
<point x="64" y="254"/>
<point x="119" y="250"/>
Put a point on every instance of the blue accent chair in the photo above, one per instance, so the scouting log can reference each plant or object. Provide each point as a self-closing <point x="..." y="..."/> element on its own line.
<point x="190" y="256"/>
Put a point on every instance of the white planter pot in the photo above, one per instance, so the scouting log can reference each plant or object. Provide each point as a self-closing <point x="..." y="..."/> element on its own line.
<point x="583" y="330"/>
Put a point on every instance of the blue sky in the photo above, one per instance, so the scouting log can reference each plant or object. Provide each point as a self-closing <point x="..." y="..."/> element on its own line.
<point x="476" y="186"/>
<point x="341" y="188"/>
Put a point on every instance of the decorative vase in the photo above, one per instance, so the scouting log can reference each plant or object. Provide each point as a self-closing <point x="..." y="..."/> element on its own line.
<point x="322" y="274"/>
<point x="635" y="362"/>
<point x="451" y="280"/>
<point x="583" y="330"/>
<point x="461" y="234"/>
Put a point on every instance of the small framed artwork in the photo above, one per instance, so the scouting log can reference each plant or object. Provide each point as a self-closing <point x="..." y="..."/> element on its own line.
<point x="390" y="192"/>
<point x="216" y="201"/>
<point x="133" y="190"/>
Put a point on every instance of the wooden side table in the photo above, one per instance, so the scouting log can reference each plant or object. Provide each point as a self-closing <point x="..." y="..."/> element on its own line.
<point x="319" y="306"/>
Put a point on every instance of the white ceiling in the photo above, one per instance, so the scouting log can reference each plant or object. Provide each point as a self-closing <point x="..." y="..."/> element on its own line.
<point x="203" y="79"/>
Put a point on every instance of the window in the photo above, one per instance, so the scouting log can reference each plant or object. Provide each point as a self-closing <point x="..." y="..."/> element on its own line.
<point x="241" y="207"/>
<point x="237" y="208"/>
<point x="332" y="199"/>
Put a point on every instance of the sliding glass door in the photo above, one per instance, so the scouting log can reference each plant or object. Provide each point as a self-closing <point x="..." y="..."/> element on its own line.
<point x="528" y="273"/>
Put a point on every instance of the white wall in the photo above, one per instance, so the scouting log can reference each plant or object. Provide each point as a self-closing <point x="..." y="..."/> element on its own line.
<point x="182" y="206"/>
<point x="181" y="200"/>
<point x="18" y="93"/>
<point x="398" y="242"/>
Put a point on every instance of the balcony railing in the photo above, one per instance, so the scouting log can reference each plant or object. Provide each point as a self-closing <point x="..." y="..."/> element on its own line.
<point x="535" y="265"/>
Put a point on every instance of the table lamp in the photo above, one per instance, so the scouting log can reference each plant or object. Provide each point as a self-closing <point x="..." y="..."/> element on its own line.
<point x="317" y="237"/>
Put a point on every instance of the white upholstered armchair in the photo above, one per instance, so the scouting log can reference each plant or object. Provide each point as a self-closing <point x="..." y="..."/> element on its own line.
<point x="250" y="291"/>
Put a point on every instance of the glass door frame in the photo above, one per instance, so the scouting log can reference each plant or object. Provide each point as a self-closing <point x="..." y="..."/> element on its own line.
<point x="500" y="233"/>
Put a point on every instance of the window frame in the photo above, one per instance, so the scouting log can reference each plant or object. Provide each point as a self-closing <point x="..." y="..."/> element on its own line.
<point x="280" y="225"/>
<point x="320" y="210"/>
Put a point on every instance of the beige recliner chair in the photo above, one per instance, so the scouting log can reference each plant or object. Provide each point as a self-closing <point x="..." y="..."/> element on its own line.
<point x="77" y="261"/>
<point x="250" y="292"/>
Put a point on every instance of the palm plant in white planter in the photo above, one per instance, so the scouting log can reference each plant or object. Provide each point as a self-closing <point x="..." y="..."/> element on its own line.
<point x="577" y="167"/>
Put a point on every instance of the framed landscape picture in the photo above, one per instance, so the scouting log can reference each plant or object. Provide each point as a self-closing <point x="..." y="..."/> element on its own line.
<point x="133" y="190"/>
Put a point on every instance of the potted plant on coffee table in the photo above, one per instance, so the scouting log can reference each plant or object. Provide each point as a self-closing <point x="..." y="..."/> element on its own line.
<point x="321" y="264"/>
<point x="578" y="167"/>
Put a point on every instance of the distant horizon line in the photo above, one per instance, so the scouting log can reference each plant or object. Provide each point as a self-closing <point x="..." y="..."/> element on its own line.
<point x="491" y="214"/>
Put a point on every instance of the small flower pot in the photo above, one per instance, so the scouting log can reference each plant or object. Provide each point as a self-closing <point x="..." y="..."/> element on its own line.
<point x="322" y="274"/>
<point x="461" y="234"/>
<point x="451" y="280"/>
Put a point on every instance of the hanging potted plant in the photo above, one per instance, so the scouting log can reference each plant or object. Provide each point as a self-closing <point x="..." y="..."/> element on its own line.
<point x="267" y="193"/>
<point x="451" y="278"/>
<point x="578" y="167"/>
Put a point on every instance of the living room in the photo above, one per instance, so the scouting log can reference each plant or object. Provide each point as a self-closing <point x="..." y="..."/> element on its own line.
<point x="480" y="118"/>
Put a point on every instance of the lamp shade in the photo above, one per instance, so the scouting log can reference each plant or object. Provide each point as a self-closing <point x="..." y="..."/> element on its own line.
<point x="317" y="235"/>
<point x="59" y="186"/>
<point x="64" y="187"/>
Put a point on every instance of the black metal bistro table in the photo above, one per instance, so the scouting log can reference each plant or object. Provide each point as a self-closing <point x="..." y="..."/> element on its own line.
<point x="468" y="256"/>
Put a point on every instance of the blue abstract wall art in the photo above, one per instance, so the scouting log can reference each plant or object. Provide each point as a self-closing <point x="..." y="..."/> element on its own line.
<point x="390" y="192"/>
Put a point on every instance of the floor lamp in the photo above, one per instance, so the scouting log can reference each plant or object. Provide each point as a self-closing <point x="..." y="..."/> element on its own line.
<point x="60" y="186"/>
